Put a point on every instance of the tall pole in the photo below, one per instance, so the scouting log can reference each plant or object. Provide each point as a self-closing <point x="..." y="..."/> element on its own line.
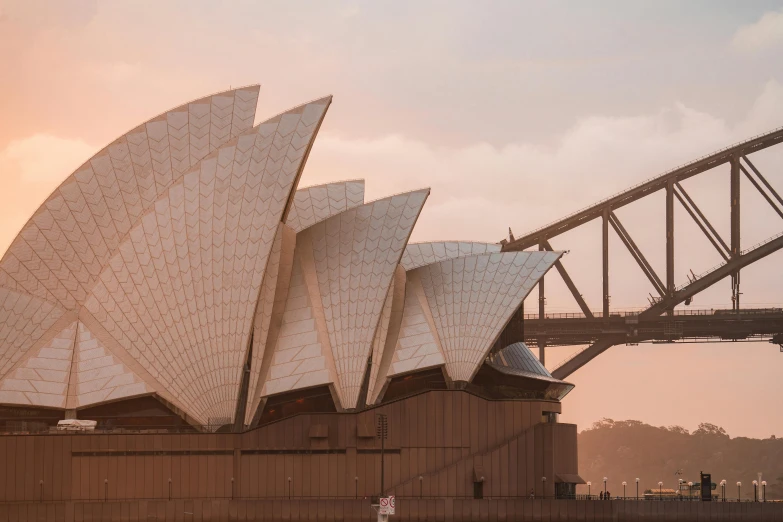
<point x="637" y="489"/>
<point x="382" y="430"/>
<point x="670" y="239"/>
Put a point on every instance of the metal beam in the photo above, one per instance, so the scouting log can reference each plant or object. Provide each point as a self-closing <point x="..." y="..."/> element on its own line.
<point x="570" y="284"/>
<point x="605" y="243"/>
<point x="587" y="355"/>
<point x="761" y="191"/>
<point x="693" y="210"/>
<point x="531" y="239"/>
<point x="735" y="229"/>
<point x="763" y="179"/>
<point x="670" y="237"/>
<point x="541" y="312"/>
<point x="625" y="237"/>
<point x="730" y="268"/>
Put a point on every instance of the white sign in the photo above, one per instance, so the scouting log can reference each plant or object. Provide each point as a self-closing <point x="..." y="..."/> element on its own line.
<point x="387" y="505"/>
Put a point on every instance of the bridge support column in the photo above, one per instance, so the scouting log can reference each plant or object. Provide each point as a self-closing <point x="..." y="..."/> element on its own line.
<point x="670" y="240"/>
<point x="605" y="243"/>
<point x="735" y="229"/>
<point x="541" y="311"/>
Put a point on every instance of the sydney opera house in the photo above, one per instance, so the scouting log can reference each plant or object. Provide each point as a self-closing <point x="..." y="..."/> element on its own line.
<point x="235" y="334"/>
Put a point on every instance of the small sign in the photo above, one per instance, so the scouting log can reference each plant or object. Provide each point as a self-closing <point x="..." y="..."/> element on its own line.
<point x="386" y="505"/>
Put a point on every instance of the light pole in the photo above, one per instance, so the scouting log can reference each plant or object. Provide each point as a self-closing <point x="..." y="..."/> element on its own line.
<point x="763" y="490"/>
<point x="739" y="485"/>
<point x="356" y="483"/>
<point x="723" y="489"/>
<point x="637" y="488"/>
<point x="690" y="489"/>
<point x="543" y="486"/>
<point x="588" y="489"/>
<point x="604" y="487"/>
<point x="624" y="484"/>
<point x="289" y="488"/>
<point x="755" y="491"/>
<point x="421" y="486"/>
<point x="382" y="431"/>
<point x="660" y="490"/>
<point x="679" y="489"/>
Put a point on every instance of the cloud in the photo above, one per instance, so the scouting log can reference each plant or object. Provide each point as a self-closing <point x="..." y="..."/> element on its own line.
<point x="767" y="32"/>
<point x="526" y="185"/>
<point x="43" y="158"/>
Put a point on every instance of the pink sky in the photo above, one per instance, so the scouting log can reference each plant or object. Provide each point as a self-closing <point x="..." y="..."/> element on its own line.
<point x="515" y="114"/>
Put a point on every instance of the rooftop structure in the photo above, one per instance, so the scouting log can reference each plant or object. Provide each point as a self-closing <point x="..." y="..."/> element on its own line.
<point x="182" y="263"/>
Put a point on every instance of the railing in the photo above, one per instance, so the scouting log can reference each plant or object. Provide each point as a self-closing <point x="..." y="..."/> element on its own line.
<point x="649" y="180"/>
<point x="677" y="312"/>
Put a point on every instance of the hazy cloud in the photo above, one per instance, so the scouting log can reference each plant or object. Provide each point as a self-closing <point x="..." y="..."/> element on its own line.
<point x="43" y="158"/>
<point x="767" y="32"/>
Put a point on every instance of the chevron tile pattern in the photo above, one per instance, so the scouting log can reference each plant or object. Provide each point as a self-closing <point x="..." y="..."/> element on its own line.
<point x="42" y="380"/>
<point x="314" y="204"/>
<point x="97" y="376"/>
<point x="472" y="298"/>
<point x="356" y="253"/>
<point x="24" y="320"/>
<point x="301" y="353"/>
<point x="186" y="248"/>
<point x="418" y="346"/>
<point x="180" y="293"/>
<point x="62" y="249"/>
<point x="420" y="254"/>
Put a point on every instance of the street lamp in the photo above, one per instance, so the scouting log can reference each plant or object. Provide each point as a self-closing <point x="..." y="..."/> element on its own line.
<point x="356" y="485"/>
<point x="763" y="490"/>
<point x="723" y="489"/>
<point x="679" y="488"/>
<point x="421" y="486"/>
<point x="604" y="487"/>
<point x="543" y="486"/>
<point x="755" y="491"/>
<point x="588" y="489"/>
<point x="660" y="490"/>
<point x="637" y="488"/>
<point x="624" y="484"/>
<point x="739" y="485"/>
<point x="690" y="489"/>
<point x="289" y="488"/>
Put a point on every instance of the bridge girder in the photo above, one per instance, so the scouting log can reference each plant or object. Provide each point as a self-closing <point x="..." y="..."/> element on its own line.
<point x="669" y="296"/>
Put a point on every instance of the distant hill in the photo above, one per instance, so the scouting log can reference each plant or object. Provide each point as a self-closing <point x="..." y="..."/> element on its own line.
<point x="624" y="450"/>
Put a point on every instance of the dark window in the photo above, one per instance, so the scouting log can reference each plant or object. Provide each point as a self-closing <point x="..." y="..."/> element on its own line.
<point x="478" y="490"/>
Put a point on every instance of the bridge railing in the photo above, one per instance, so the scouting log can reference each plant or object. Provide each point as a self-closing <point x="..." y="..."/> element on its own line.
<point x="774" y="309"/>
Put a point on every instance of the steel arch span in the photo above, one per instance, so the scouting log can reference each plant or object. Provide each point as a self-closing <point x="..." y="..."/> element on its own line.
<point x="659" y="321"/>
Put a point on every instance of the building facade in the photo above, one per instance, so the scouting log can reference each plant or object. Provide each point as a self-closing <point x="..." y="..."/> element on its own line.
<point x="243" y="336"/>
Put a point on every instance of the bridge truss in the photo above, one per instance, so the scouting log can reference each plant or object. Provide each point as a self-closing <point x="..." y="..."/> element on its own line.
<point x="659" y="322"/>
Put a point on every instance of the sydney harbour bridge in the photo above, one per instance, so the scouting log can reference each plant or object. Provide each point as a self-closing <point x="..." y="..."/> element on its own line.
<point x="659" y="321"/>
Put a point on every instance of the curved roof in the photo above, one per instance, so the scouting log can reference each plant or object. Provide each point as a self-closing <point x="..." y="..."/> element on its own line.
<point x="518" y="358"/>
<point x="472" y="298"/>
<point x="342" y="272"/>
<point x="181" y="255"/>
<point x="420" y="254"/>
<point x="186" y="279"/>
<point x="59" y="253"/>
<point x="314" y="204"/>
